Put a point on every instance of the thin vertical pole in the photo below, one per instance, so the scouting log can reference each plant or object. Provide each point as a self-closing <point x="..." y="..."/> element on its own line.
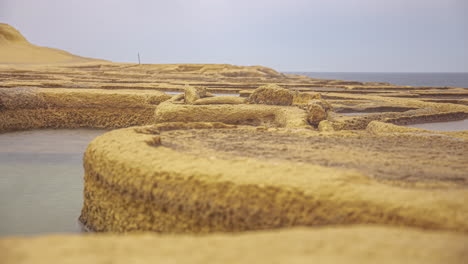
<point x="138" y="57"/>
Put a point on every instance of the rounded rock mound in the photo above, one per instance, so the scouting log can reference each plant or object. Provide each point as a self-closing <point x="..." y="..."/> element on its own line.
<point x="10" y="34"/>
<point x="271" y="94"/>
<point x="15" y="49"/>
<point x="134" y="181"/>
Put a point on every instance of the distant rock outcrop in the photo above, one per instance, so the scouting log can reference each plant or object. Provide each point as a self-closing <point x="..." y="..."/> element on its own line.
<point x="16" y="49"/>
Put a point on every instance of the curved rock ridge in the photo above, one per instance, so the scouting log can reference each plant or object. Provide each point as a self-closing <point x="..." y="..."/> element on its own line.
<point x="15" y="49"/>
<point x="132" y="183"/>
<point x="269" y="105"/>
<point x="9" y="34"/>
<point x="240" y="114"/>
<point x="32" y="108"/>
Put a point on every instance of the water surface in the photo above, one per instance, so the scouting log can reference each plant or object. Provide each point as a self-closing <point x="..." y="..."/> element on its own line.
<point x="357" y="113"/>
<point x="41" y="180"/>
<point x="460" y="125"/>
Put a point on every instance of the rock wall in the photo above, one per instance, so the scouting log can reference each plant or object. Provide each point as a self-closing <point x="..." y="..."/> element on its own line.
<point x="29" y="108"/>
<point x="131" y="185"/>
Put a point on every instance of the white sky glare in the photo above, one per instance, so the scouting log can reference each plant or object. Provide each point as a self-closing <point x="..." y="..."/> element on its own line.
<point x="288" y="35"/>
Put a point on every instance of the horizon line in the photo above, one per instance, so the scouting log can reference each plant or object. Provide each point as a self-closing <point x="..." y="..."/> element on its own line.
<point x="305" y="71"/>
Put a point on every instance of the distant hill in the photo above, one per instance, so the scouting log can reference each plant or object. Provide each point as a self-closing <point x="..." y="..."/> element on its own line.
<point x="16" y="49"/>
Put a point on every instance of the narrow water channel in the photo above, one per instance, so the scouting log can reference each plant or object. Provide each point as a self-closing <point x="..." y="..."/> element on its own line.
<point x="460" y="125"/>
<point x="41" y="180"/>
<point x="356" y="113"/>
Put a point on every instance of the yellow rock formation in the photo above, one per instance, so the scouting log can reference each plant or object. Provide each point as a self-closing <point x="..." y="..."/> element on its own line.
<point x="27" y="108"/>
<point x="15" y="49"/>
<point x="134" y="186"/>
<point x="360" y="245"/>
<point x="199" y="163"/>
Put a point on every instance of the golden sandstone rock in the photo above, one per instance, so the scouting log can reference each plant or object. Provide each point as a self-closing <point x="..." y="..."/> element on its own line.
<point x="315" y="113"/>
<point x="358" y="244"/>
<point x="368" y="190"/>
<point x="220" y="100"/>
<point x="27" y="108"/>
<point x="325" y="126"/>
<point x="271" y="95"/>
<point x="14" y="48"/>
<point x="132" y="186"/>
<point x="192" y="94"/>
<point x="241" y="114"/>
<point x="305" y="98"/>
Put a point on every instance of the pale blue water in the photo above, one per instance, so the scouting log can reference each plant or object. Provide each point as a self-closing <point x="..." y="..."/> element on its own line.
<point x="41" y="180"/>
<point x="454" y="79"/>
<point x="460" y="125"/>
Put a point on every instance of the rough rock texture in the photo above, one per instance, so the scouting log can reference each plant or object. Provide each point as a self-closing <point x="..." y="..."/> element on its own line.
<point x="192" y="94"/>
<point x="158" y="128"/>
<point x="315" y="113"/>
<point x="245" y="114"/>
<point x="325" y="126"/>
<point x="181" y="177"/>
<point x="304" y="98"/>
<point x="271" y="94"/>
<point x="132" y="186"/>
<point x="21" y="98"/>
<point x="26" y="108"/>
<point x="413" y="159"/>
<point x="358" y="244"/>
<point x="221" y="100"/>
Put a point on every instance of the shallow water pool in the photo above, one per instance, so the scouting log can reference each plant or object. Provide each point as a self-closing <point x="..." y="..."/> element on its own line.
<point x="459" y="125"/>
<point x="356" y="113"/>
<point x="41" y="180"/>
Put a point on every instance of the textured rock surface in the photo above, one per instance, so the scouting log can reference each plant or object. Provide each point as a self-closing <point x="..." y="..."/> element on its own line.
<point x="324" y="245"/>
<point x="181" y="177"/>
<point x="26" y="108"/>
<point x="325" y="126"/>
<point x="132" y="186"/>
<point x="315" y="113"/>
<point x="192" y="94"/>
<point x="221" y="100"/>
<point x="271" y="95"/>
<point x="246" y="114"/>
<point x="304" y="98"/>
<point x="415" y="159"/>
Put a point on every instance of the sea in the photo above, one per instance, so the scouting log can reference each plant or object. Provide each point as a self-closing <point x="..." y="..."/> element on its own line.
<point x="440" y="79"/>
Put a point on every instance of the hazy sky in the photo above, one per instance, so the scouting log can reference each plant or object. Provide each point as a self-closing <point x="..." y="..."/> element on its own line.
<point x="288" y="35"/>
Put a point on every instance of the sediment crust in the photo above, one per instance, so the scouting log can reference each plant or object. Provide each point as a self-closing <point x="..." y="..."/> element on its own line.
<point x="387" y="153"/>
<point x="13" y="120"/>
<point x="246" y="114"/>
<point x="29" y="108"/>
<point x="359" y="244"/>
<point x="130" y="186"/>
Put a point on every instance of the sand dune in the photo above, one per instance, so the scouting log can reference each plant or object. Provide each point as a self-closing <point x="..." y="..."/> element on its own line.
<point x="16" y="49"/>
